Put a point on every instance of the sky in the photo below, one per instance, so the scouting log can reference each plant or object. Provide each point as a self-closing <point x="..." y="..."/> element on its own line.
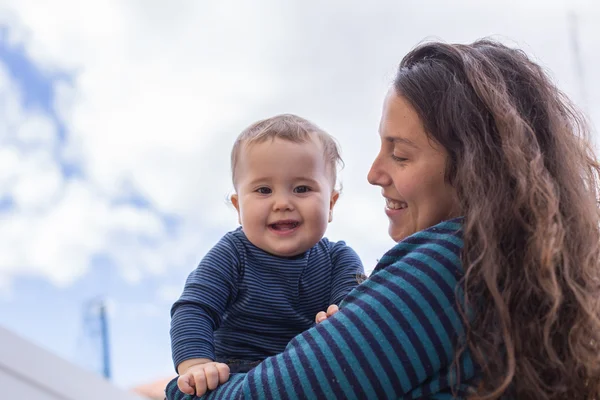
<point x="117" y="119"/>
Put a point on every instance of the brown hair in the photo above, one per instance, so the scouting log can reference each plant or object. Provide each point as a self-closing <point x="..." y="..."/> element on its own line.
<point x="291" y="128"/>
<point x="527" y="179"/>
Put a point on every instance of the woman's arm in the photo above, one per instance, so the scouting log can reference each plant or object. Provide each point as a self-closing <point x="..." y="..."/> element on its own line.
<point x="394" y="336"/>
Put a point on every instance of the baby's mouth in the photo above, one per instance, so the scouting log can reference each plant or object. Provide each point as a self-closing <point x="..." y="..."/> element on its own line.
<point x="285" y="225"/>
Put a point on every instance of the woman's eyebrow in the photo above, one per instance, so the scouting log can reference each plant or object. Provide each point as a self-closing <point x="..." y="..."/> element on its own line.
<point x="397" y="139"/>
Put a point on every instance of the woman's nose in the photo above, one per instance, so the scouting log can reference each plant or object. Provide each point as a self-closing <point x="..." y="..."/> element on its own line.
<point x="377" y="174"/>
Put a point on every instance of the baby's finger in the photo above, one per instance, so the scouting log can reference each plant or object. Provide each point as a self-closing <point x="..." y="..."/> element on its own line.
<point x="332" y="309"/>
<point x="321" y="316"/>
<point x="185" y="383"/>
<point x="223" y="372"/>
<point x="200" y="382"/>
<point x="212" y="376"/>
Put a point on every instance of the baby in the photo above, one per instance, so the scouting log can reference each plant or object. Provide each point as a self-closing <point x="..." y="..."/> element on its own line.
<point x="264" y="283"/>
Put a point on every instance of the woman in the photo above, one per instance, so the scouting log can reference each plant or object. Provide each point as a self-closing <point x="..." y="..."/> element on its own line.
<point x="493" y="288"/>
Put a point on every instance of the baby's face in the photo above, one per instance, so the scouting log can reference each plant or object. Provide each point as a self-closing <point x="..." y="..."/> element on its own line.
<point x="285" y="195"/>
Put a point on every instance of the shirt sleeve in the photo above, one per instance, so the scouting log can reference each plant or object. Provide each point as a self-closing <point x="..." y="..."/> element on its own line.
<point x="394" y="335"/>
<point x="208" y="291"/>
<point x="347" y="269"/>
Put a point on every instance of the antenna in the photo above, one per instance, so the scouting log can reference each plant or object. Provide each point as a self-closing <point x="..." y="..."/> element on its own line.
<point x="95" y="320"/>
<point x="105" y="344"/>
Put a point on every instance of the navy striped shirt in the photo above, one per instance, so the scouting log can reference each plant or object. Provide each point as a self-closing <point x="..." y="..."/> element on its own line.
<point x="244" y="303"/>
<point x="394" y="337"/>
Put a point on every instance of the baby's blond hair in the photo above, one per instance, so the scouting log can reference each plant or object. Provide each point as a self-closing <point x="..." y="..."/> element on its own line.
<point x="291" y="128"/>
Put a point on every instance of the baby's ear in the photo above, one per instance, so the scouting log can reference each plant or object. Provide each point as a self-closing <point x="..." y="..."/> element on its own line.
<point x="236" y="203"/>
<point x="335" y="195"/>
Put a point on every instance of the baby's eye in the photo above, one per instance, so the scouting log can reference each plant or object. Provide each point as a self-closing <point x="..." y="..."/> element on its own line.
<point x="301" y="189"/>
<point x="264" y="190"/>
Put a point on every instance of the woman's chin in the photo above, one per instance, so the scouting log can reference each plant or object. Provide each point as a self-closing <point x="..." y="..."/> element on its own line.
<point x="398" y="234"/>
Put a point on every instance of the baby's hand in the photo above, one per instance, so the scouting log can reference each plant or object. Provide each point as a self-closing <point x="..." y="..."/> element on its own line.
<point x="200" y="378"/>
<point x="322" y="315"/>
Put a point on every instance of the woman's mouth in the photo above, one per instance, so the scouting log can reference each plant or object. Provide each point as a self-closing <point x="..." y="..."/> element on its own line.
<point x="395" y="205"/>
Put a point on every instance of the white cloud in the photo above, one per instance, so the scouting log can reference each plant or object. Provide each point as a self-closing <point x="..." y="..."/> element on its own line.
<point x="38" y="181"/>
<point x="161" y="90"/>
<point x="170" y="293"/>
<point x="9" y="159"/>
<point x="37" y="130"/>
<point x="61" y="240"/>
<point x="57" y="226"/>
<point x="138" y="311"/>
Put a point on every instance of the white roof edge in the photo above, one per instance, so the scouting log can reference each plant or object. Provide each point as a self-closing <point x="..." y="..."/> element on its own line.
<point x="36" y="366"/>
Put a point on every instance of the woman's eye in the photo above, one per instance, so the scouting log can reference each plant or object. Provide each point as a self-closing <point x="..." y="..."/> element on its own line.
<point x="263" y="190"/>
<point x="301" y="189"/>
<point x="399" y="159"/>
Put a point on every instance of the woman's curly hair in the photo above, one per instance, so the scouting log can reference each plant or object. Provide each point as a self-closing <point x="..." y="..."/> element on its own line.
<point x="527" y="179"/>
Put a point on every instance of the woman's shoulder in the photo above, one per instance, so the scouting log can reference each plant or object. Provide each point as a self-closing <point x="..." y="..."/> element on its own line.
<point x="447" y="234"/>
<point x="452" y="227"/>
<point x="441" y="243"/>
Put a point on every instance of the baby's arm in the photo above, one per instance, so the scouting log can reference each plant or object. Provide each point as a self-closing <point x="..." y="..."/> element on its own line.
<point x="347" y="268"/>
<point x="207" y="294"/>
<point x="198" y="375"/>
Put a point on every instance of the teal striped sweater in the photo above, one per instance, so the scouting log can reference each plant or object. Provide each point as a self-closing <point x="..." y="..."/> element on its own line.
<point x="393" y="338"/>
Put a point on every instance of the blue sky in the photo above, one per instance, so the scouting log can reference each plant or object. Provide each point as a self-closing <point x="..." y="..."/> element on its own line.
<point x="54" y="316"/>
<point x="117" y="118"/>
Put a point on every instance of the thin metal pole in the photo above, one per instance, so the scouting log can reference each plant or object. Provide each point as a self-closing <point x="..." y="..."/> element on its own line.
<point x="105" y="342"/>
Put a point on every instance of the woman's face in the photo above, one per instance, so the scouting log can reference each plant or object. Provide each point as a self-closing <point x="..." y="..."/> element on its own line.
<point x="410" y="169"/>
